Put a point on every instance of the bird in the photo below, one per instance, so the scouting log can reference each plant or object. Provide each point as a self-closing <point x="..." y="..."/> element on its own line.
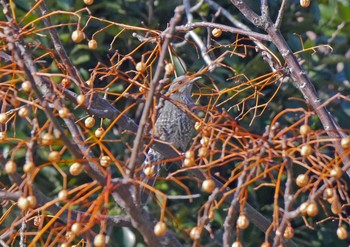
<point x="173" y="125"/>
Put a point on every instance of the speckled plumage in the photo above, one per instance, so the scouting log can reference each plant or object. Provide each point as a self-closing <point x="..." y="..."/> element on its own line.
<point x="173" y="125"/>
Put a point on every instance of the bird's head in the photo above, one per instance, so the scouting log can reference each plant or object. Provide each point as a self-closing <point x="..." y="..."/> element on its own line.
<point x="182" y="85"/>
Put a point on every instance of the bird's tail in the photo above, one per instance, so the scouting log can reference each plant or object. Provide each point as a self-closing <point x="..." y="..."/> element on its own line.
<point x="149" y="174"/>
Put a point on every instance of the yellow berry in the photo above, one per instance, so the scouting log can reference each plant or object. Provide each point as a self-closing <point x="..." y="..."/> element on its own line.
<point x="304" y="129"/>
<point x="54" y="156"/>
<point x="304" y="3"/>
<point x="242" y="221"/>
<point x="23" y="203"/>
<point x="89" y="122"/>
<point x="76" y="228"/>
<point x="342" y="233"/>
<point x="10" y="167"/>
<point x="23" y="112"/>
<point x="160" y="229"/>
<point x="100" y="240"/>
<point x="47" y="139"/>
<point x="105" y="161"/>
<point x="204" y="141"/>
<point x="328" y="193"/>
<point x="288" y="232"/>
<point x="197" y="125"/>
<point x="75" y="169"/>
<point x="306" y="150"/>
<point x="88" y="2"/>
<point x="26" y="86"/>
<point x="65" y="83"/>
<point x="3" y="118"/>
<point x="63" y="195"/>
<point x="189" y="154"/>
<point x="237" y="244"/>
<point x="99" y="132"/>
<point x="2" y="136"/>
<point x="188" y="162"/>
<point x="336" y="206"/>
<point x="203" y="152"/>
<point x="140" y="67"/>
<point x="303" y="208"/>
<point x="265" y="244"/>
<point x="149" y="171"/>
<point x="217" y="32"/>
<point x="195" y="233"/>
<point x="63" y="112"/>
<point x="208" y="185"/>
<point x="32" y="201"/>
<point x="77" y="36"/>
<point x="89" y="83"/>
<point x="336" y="172"/>
<point x="92" y="44"/>
<point x="312" y="209"/>
<point x="81" y="99"/>
<point x="28" y="167"/>
<point x="345" y="142"/>
<point x="302" y="180"/>
<point x="169" y="69"/>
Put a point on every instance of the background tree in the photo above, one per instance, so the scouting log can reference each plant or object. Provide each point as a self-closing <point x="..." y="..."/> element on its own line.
<point x="80" y="84"/>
